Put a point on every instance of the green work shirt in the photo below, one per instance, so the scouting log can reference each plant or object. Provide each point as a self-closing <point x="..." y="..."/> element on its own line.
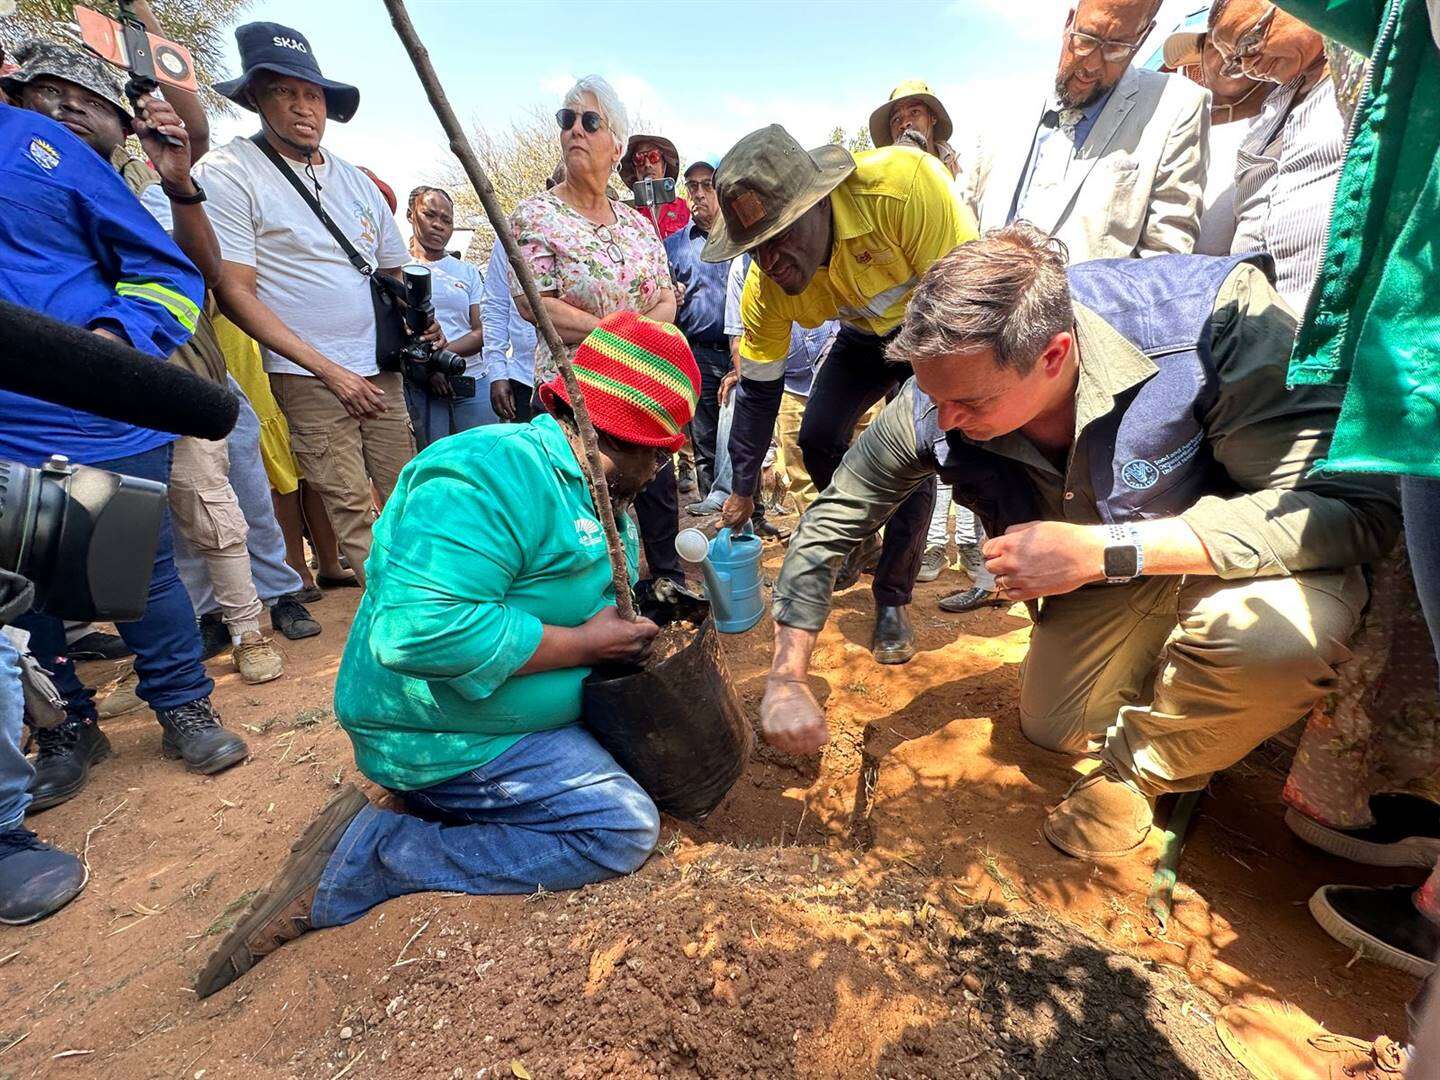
<point x="489" y="536"/>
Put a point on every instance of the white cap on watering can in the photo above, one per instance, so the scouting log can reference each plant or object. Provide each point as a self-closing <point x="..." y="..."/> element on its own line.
<point x="692" y="546"/>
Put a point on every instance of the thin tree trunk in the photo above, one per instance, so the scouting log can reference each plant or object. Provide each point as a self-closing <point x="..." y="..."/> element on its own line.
<point x="460" y="146"/>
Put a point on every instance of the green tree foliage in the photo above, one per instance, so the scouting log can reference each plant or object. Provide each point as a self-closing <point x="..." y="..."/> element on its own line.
<point x="860" y="140"/>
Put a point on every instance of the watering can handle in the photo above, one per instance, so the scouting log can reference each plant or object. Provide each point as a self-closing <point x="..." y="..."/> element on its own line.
<point x="723" y="536"/>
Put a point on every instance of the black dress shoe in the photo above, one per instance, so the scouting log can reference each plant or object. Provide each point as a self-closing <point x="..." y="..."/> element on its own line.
<point x="98" y="646"/>
<point x="894" y="636"/>
<point x="214" y="636"/>
<point x="971" y="599"/>
<point x="768" y="530"/>
<point x="291" y="618"/>
<point x="62" y="766"/>
<point x="193" y="732"/>
<point x="858" y="558"/>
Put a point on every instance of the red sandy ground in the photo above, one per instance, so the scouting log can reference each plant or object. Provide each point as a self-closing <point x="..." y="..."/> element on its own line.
<point x="816" y="926"/>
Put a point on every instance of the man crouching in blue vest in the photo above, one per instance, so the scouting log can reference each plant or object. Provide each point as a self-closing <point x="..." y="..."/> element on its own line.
<point x="1124" y="431"/>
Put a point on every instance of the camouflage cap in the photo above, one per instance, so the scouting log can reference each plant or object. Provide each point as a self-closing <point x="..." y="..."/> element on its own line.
<point x="38" y="57"/>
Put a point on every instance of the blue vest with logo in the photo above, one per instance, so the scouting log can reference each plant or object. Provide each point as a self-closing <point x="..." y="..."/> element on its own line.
<point x="1149" y="455"/>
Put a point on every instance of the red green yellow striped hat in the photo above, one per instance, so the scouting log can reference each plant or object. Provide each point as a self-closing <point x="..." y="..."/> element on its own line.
<point x="640" y="379"/>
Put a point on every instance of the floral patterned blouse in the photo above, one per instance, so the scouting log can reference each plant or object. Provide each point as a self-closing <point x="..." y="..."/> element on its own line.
<point x="597" y="268"/>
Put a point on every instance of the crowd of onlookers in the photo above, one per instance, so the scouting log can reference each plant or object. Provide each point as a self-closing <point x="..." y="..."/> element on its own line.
<point x="262" y="265"/>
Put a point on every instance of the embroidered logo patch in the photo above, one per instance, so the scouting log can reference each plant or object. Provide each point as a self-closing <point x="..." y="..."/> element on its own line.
<point x="587" y="531"/>
<point x="1140" y="474"/>
<point x="748" y="208"/>
<point x="43" y="154"/>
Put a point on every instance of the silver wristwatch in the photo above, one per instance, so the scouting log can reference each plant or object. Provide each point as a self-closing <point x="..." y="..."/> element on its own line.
<point x="1124" y="557"/>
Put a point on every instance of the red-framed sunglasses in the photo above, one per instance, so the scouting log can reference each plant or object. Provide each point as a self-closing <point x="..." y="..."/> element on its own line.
<point x="646" y="157"/>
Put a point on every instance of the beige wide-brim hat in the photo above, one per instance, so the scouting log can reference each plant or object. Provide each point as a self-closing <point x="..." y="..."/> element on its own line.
<point x="764" y="184"/>
<point x="1184" y="48"/>
<point x="910" y="88"/>
<point x="667" y="150"/>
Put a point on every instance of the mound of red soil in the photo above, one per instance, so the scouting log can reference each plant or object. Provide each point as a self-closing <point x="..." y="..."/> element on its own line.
<point x="780" y="963"/>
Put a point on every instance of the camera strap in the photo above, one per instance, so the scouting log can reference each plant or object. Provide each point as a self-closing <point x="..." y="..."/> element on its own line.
<point x="357" y="260"/>
<point x="386" y="294"/>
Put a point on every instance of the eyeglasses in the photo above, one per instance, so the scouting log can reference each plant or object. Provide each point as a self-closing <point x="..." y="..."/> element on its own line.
<point x="1248" y="46"/>
<point x="612" y="249"/>
<point x="1083" y="44"/>
<point x="590" y="120"/>
<point x="646" y="157"/>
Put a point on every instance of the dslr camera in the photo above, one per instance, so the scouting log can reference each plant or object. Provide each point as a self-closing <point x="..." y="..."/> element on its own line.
<point x="417" y="360"/>
<point x="84" y="537"/>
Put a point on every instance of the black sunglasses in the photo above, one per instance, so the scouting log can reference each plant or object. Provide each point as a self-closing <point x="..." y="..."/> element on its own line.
<point x="590" y="120"/>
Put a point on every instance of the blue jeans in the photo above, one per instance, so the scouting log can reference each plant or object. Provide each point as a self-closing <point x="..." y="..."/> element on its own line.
<point x="1420" y="499"/>
<point x="273" y="576"/>
<point x="15" y="770"/>
<point x="553" y="810"/>
<point x="435" y="417"/>
<point x="164" y="640"/>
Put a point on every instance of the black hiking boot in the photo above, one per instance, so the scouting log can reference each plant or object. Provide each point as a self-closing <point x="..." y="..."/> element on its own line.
<point x="62" y="766"/>
<point x="193" y="732"/>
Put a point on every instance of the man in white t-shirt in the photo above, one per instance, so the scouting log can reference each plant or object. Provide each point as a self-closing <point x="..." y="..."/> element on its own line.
<point x="289" y="284"/>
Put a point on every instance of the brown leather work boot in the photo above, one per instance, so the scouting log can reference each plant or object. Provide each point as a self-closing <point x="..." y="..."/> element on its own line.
<point x="281" y="913"/>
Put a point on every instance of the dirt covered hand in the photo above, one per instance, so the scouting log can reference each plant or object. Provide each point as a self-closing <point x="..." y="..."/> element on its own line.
<point x="611" y="639"/>
<point x="791" y="719"/>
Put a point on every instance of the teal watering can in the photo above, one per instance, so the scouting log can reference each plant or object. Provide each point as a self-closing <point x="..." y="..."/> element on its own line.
<point x="731" y="565"/>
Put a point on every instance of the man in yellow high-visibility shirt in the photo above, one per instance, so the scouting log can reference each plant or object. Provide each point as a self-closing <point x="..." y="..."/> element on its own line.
<point x="834" y="236"/>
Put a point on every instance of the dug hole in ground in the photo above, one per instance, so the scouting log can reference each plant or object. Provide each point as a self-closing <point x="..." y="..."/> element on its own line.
<point x="887" y="909"/>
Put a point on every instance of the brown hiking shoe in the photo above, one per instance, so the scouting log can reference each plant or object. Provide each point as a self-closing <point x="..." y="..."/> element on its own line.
<point x="281" y="913"/>
<point x="1102" y="817"/>
<point x="256" y="659"/>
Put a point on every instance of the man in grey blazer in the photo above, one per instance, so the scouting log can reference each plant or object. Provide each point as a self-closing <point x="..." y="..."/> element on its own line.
<point x="1116" y="165"/>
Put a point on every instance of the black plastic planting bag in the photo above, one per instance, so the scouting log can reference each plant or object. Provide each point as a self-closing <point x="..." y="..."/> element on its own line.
<point x="677" y="728"/>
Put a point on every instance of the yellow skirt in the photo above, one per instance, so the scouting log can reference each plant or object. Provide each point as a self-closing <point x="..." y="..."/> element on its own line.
<point x="242" y="357"/>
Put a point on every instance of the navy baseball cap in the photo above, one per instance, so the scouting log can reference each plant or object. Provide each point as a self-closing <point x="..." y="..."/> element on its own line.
<point x="268" y="46"/>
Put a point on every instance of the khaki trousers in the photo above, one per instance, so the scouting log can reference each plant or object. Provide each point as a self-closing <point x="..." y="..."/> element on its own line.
<point x="208" y="515"/>
<point x="340" y="456"/>
<point x="1171" y="679"/>
<point x="787" y="439"/>
<point x="787" y="444"/>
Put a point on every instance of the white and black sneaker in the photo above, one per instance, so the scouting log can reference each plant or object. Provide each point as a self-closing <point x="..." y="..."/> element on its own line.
<point x="1406" y="833"/>
<point x="1381" y="923"/>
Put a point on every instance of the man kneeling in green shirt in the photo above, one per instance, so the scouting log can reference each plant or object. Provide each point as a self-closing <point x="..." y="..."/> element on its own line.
<point x="488" y="599"/>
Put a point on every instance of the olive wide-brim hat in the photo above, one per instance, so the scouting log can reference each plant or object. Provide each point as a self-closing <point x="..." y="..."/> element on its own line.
<point x="910" y="88"/>
<point x="764" y="184"/>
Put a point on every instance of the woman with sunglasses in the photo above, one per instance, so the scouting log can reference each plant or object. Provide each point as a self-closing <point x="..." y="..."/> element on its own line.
<point x="1288" y="165"/>
<point x="593" y="256"/>
<point x="654" y="157"/>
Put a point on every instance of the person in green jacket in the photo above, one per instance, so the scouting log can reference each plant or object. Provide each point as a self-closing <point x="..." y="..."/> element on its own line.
<point x="488" y="598"/>
<point x="1373" y="325"/>
<point x="1373" y="322"/>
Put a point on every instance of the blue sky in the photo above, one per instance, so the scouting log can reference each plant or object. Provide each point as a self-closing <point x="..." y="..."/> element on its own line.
<point x="702" y="74"/>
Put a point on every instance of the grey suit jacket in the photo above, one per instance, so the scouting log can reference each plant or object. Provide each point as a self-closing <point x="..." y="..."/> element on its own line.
<point x="1135" y="185"/>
